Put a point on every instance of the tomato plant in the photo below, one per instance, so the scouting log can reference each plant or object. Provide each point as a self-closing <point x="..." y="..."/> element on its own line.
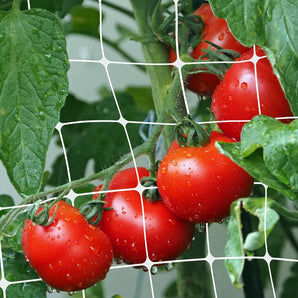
<point x="198" y="184"/>
<point x="216" y="31"/>
<point x="69" y="254"/>
<point x="136" y="122"/>
<point x="166" y="236"/>
<point x="235" y="98"/>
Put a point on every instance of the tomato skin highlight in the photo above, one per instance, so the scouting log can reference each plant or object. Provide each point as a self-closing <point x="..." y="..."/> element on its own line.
<point x="216" y="31"/>
<point x="69" y="254"/>
<point x="167" y="236"/>
<point x="235" y="98"/>
<point x="198" y="184"/>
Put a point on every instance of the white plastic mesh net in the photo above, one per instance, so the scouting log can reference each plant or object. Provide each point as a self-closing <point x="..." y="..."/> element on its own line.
<point x="93" y="64"/>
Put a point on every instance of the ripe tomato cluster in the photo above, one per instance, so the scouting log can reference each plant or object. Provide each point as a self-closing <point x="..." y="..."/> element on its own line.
<point x="196" y="184"/>
<point x="140" y="228"/>
<point x="239" y="96"/>
<point x="216" y="31"/>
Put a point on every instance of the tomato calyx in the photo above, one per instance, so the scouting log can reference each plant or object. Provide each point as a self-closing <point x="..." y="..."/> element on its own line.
<point x="189" y="28"/>
<point x="92" y="210"/>
<point x="190" y="134"/>
<point x="151" y="194"/>
<point x="215" y="53"/>
<point x="39" y="213"/>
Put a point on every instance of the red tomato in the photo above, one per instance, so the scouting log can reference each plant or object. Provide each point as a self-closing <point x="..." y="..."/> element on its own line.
<point x="216" y="31"/>
<point x="198" y="184"/>
<point x="69" y="254"/>
<point x="167" y="236"/>
<point x="236" y="96"/>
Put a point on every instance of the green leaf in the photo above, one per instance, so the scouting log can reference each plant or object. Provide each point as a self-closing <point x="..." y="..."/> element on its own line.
<point x="27" y="289"/>
<point x="104" y="142"/>
<point x="142" y="97"/>
<point x="15" y="266"/>
<point x="272" y="25"/>
<point x="15" y="229"/>
<point x="16" y="269"/>
<point x="236" y="246"/>
<point x="269" y="152"/>
<point x="83" y="20"/>
<point x="6" y="200"/>
<point x="290" y="285"/>
<point x="92" y="292"/>
<point x="33" y="87"/>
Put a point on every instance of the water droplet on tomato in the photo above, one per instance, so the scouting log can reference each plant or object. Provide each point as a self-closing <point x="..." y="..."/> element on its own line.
<point x="169" y="266"/>
<point x="94" y="250"/>
<point x="230" y="98"/>
<point x="88" y="237"/>
<point x="188" y="155"/>
<point x="189" y="183"/>
<point x="51" y="266"/>
<point x="221" y="36"/>
<point x="236" y="83"/>
<point x="201" y="227"/>
<point x="224" y="107"/>
<point x="247" y="109"/>
<point x="67" y="241"/>
<point x="172" y="221"/>
<point x="244" y="85"/>
<point x="50" y="289"/>
<point x="154" y="270"/>
<point x="163" y="170"/>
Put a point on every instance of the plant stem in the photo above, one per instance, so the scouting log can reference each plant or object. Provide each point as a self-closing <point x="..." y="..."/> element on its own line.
<point x="194" y="278"/>
<point x="115" y="45"/>
<point x="107" y="174"/>
<point x="287" y="230"/>
<point x="154" y="53"/>
<point x="119" y="8"/>
<point x="251" y="272"/>
<point x="284" y="211"/>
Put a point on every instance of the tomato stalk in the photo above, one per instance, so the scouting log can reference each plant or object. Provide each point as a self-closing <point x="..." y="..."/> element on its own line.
<point x="106" y="174"/>
<point x="251" y="271"/>
<point x="193" y="278"/>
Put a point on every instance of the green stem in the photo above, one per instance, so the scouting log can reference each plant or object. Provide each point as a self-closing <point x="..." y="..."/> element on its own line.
<point x="289" y="233"/>
<point x="154" y="53"/>
<point x="119" y="8"/>
<point x="115" y="46"/>
<point x="16" y="4"/>
<point x="107" y="174"/>
<point x="284" y="211"/>
<point x="251" y="271"/>
<point x="194" y="278"/>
